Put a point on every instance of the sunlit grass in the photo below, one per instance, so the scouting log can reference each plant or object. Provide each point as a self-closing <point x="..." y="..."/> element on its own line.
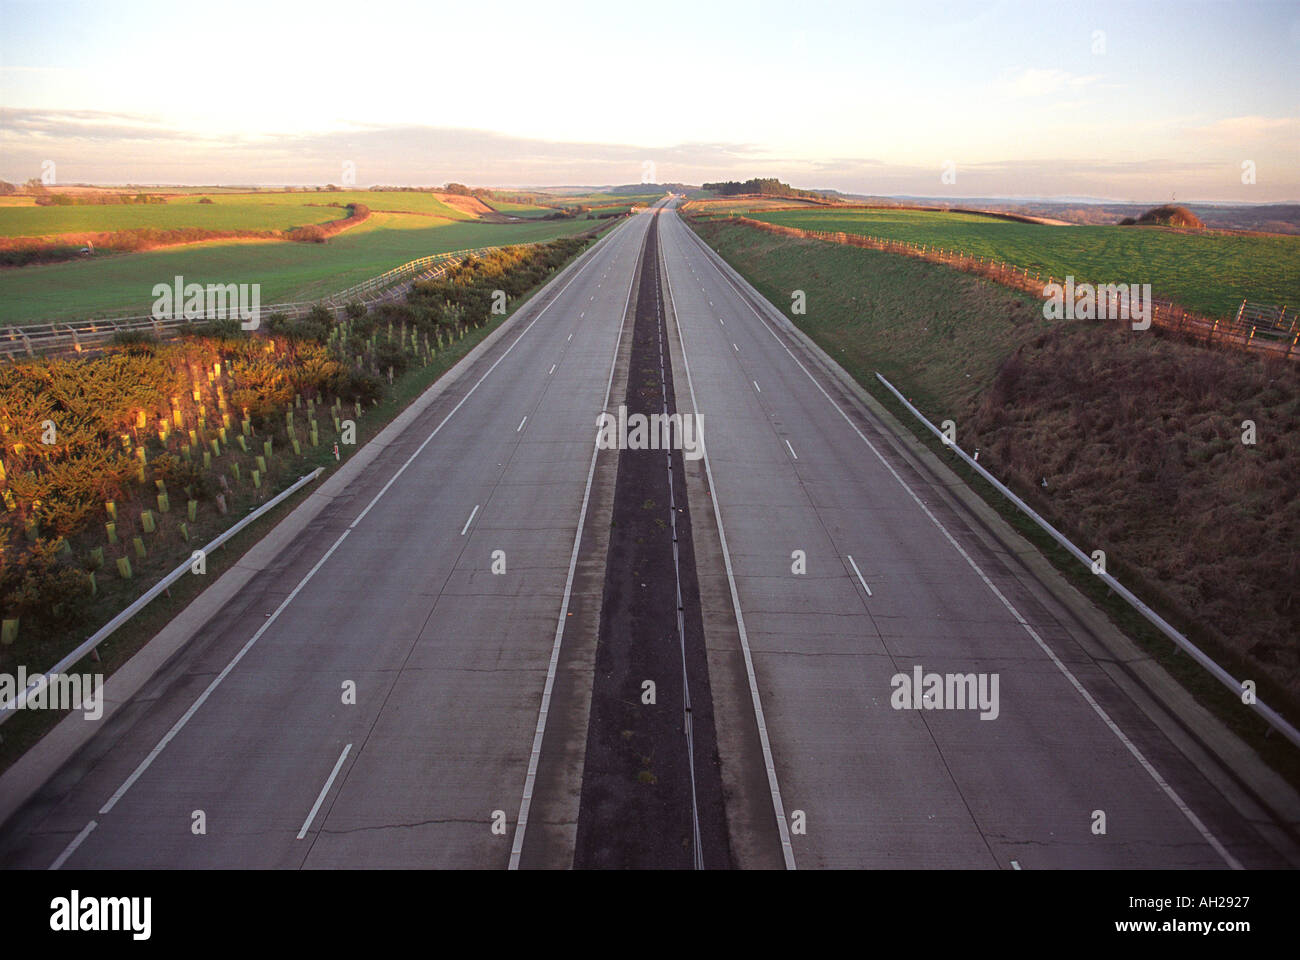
<point x="1207" y="272"/>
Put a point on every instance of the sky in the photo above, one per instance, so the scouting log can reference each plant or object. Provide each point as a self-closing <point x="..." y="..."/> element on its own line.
<point x="1128" y="100"/>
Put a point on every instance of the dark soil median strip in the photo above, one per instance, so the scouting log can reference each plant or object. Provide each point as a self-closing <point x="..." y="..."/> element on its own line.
<point x="651" y="789"/>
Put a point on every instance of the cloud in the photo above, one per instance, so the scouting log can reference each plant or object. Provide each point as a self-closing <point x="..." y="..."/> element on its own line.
<point x="70" y="126"/>
<point x="1035" y="82"/>
<point x="1238" y="129"/>
<point x="108" y="148"/>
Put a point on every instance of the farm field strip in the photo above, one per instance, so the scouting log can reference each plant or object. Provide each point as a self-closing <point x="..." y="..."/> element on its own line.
<point x="32" y="221"/>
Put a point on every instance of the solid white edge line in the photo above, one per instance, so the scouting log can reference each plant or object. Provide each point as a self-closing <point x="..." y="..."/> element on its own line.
<point x="861" y="578"/>
<point x="185" y="718"/>
<point x="306" y="824"/>
<point x="202" y="698"/>
<point x="470" y="520"/>
<point x="530" y="779"/>
<point x="1170" y="792"/>
<point x="778" y="808"/>
<point x="76" y="842"/>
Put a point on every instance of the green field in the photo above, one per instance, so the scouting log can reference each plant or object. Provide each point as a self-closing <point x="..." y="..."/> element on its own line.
<point x="286" y="270"/>
<point x="706" y="206"/>
<point x="1210" y="273"/>
<point x="613" y="199"/>
<point x="238" y="212"/>
<point x="527" y="211"/>
<point x="227" y="211"/>
<point x="401" y="201"/>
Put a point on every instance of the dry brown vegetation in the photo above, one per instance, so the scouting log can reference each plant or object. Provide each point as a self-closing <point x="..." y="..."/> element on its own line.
<point x="1140" y="442"/>
<point x="1170" y="215"/>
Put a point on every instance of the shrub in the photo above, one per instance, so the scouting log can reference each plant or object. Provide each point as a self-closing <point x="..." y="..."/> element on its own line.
<point x="227" y="328"/>
<point x="312" y="233"/>
<point x="389" y="354"/>
<point x="353" y="386"/>
<point x="136" y="342"/>
<point x="364" y="325"/>
<point x="38" y="582"/>
<point x="178" y="474"/>
<point x="1170" y="215"/>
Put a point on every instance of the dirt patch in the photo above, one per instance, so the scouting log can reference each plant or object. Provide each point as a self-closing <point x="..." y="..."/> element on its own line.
<point x="471" y="205"/>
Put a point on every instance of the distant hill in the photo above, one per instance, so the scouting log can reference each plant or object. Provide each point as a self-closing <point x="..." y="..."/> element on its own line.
<point x="633" y="189"/>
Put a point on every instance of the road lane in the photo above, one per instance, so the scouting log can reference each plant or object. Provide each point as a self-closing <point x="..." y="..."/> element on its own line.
<point x="448" y="659"/>
<point x="882" y="787"/>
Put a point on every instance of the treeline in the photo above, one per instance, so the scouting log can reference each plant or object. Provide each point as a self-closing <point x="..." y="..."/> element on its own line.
<point x="44" y="198"/>
<point x="765" y="186"/>
<point x="96" y="199"/>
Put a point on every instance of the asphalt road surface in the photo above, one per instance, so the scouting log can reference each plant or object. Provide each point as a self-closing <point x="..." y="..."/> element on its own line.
<point x="449" y="660"/>
<point x="457" y="669"/>
<point x="895" y="579"/>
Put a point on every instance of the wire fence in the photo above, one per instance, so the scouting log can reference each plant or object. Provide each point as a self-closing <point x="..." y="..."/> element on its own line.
<point x="1261" y="328"/>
